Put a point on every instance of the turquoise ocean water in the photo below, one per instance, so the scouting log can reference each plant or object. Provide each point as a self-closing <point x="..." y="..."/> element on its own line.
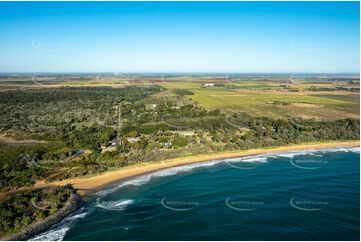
<point x="304" y="195"/>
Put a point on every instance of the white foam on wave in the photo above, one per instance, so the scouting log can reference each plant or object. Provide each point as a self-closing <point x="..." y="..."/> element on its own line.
<point x="119" y="205"/>
<point x="317" y="152"/>
<point x="57" y="232"/>
<point x="252" y="159"/>
<point x="143" y="179"/>
<point x="138" y="181"/>
<point x="351" y="149"/>
<point x="355" y="149"/>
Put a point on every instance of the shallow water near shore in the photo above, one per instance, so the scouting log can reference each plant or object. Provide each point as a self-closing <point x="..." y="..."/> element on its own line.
<point x="303" y="195"/>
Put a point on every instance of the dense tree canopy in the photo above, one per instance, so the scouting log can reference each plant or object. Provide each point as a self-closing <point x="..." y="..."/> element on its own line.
<point x="87" y="134"/>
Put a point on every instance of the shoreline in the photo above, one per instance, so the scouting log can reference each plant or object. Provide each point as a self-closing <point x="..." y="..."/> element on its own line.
<point x="88" y="185"/>
<point x="34" y="229"/>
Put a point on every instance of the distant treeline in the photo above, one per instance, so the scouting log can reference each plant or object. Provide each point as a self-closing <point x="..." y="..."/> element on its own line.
<point x="80" y="125"/>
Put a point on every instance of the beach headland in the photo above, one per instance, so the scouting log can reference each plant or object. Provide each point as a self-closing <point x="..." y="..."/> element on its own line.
<point x="71" y="206"/>
<point x="90" y="184"/>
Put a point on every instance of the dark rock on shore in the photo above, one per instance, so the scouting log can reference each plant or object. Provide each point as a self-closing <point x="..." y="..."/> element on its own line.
<point x="71" y="205"/>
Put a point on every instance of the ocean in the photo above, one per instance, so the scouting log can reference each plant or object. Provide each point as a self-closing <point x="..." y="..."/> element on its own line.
<point x="303" y="195"/>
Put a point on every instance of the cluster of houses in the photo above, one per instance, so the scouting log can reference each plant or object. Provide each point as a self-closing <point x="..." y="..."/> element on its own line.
<point x="112" y="145"/>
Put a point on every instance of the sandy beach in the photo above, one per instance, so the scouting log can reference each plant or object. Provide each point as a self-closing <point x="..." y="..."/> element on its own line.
<point x="87" y="185"/>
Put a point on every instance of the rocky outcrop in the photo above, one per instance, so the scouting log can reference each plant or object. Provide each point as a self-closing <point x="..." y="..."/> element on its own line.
<point x="71" y="205"/>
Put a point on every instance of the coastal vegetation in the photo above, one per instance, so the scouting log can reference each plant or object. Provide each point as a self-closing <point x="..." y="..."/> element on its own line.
<point x="66" y="127"/>
<point x="22" y="209"/>
<point x="88" y="130"/>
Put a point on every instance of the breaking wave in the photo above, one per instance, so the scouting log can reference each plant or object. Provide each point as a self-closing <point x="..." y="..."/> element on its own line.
<point x="317" y="152"/>
<point x="58" y="231"/>
<point x="143" y="179"/>
<point x="119" y="205"/>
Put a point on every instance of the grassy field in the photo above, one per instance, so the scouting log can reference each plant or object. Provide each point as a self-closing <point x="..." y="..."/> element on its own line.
<point x="262" y="99"/>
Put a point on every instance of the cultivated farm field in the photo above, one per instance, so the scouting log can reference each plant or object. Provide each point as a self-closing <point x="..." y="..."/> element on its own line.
<point x="275" y="100"/>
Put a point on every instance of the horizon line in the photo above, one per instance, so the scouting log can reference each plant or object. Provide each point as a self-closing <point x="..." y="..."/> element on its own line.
<point x="175" y="72"/>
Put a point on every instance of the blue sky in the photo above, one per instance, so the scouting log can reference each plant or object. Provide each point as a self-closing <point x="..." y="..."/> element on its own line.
<point x="179" y="37"/>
